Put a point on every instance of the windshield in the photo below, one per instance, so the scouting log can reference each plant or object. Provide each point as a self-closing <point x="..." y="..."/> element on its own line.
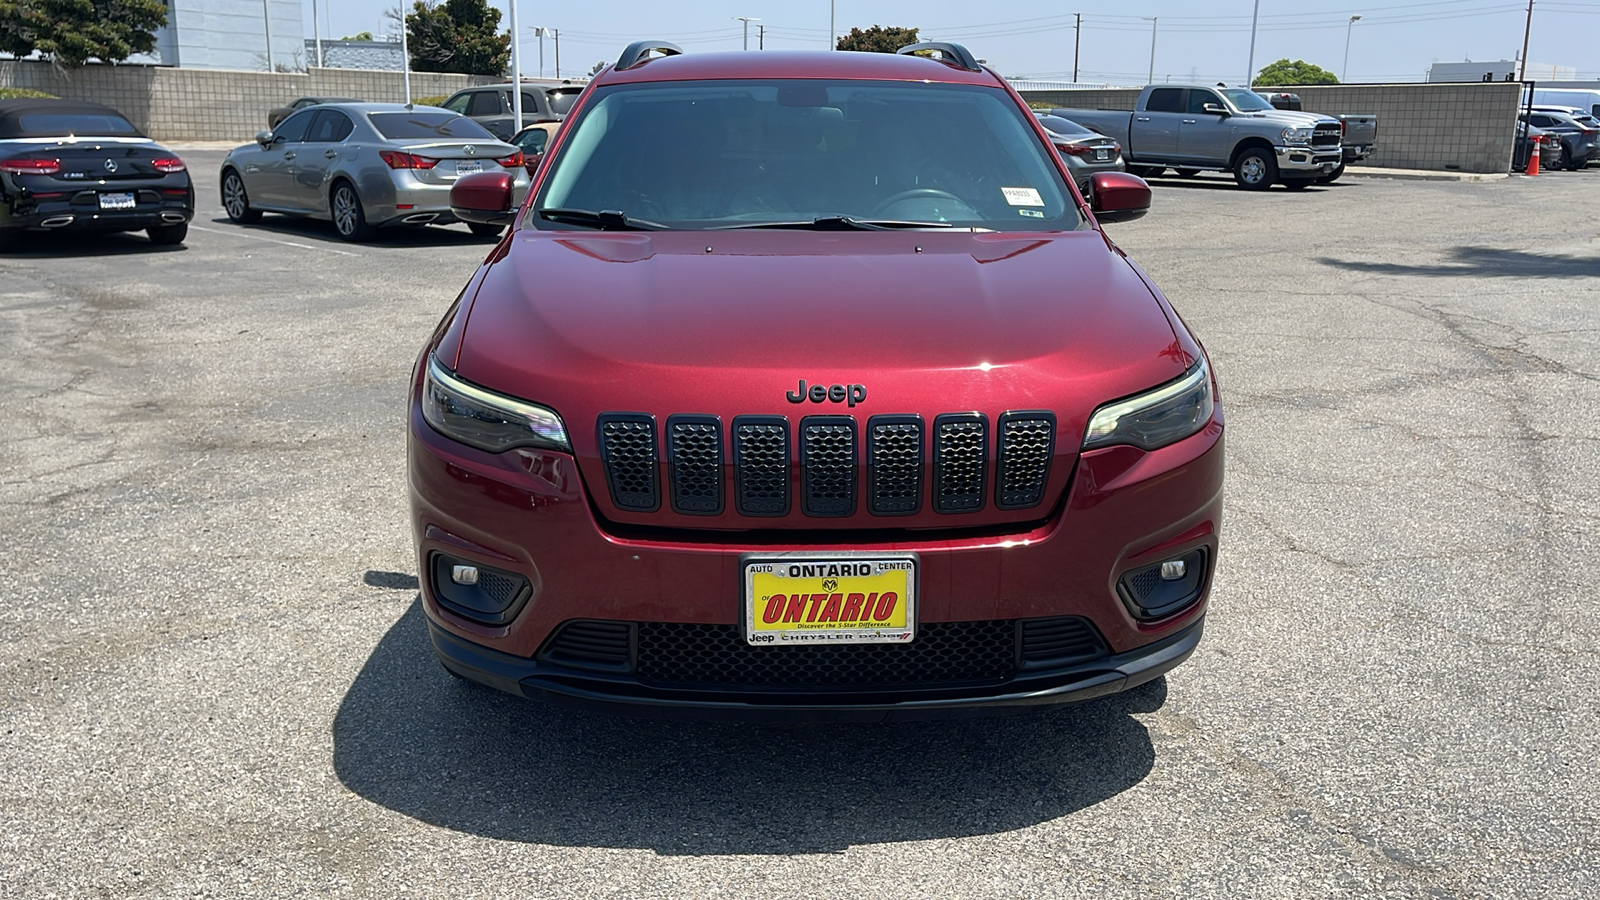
<point x="1246" y="101"/>
<point x="721" y="154"/>
<point x="418" y="124"/>
<point x="69" y="124"/>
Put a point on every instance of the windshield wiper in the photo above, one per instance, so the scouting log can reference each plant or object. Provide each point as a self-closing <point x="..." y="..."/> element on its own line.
<point x="842" y="223"/>
<point x="605" y="219"/>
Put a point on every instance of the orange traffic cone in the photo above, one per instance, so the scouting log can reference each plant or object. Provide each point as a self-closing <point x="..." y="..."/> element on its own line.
<point x="1533" y="158"/>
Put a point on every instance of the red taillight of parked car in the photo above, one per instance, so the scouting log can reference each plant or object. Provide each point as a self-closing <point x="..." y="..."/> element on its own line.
<point x="23" y="165"/>
<point x="511" y="162"/>
<point x="168" y="164"/>
<point x="398" y="159"/>
<point x="1075" y="149"/>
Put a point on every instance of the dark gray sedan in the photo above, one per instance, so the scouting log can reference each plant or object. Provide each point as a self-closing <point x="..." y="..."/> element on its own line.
<point x="1084" y="151"/>
<point x="365" y="166"/>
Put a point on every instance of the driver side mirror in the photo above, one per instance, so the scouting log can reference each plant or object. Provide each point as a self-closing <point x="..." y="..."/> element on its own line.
<point x="265" y="139"/>
<point x="1118" y="196"/>
<point x="1215" y="109"/>
<point x="484" y="197"/>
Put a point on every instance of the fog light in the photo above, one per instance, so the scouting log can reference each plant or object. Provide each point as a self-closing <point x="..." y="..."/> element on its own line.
<point x="469" y="574"/>
<point x="1162" y="589"/>
<point x="480" y="593"/>
<point x="1171" y="570"/>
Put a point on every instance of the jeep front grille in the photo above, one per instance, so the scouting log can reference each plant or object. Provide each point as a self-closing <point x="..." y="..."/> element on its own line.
<point x="694" y="451"/>
<point x="960" y="461"/>
<point x="828" y="465"/>
<point x="628" y="448"/>
<point x="761" y="464"/>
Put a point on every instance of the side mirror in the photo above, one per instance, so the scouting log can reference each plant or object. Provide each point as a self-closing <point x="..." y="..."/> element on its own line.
<point x="483" y="197"/>
<point x="1215" y="109"/>
<point x="264" y="138"/>
<point x="1118" y="196"/>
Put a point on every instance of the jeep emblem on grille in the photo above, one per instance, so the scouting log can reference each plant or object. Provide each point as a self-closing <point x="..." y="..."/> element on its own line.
<point x="836" y="393"/>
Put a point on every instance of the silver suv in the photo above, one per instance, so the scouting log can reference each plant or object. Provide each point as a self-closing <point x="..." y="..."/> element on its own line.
<point x="490" y="105"/>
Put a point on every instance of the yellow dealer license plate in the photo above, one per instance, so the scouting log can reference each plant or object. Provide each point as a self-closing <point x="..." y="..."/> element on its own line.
<point x="846" y="598"/>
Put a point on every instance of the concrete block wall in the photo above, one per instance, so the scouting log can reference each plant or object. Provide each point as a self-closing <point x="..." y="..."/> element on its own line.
<point x="212" y="104"/>
<point x="1443" y="127"/>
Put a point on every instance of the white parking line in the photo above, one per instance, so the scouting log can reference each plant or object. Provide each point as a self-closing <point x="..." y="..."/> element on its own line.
<point x="257" y="237"/>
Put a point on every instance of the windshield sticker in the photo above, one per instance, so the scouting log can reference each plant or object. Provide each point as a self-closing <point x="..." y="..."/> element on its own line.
<point x="1037" y="214"/>
<point x="1022" y="196"/>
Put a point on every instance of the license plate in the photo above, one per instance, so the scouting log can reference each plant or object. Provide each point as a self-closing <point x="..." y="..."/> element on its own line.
<point x="468" y="166"/>
<point x="852" y="598"/>
<point x="117" y="201"/>
<point x="1102" y="154"/>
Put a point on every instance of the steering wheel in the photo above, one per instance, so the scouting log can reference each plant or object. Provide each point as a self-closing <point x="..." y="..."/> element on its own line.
<point x="917" y="194"/>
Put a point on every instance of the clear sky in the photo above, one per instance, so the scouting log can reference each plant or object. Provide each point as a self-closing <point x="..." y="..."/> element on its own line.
<point x="1395" y="40"/>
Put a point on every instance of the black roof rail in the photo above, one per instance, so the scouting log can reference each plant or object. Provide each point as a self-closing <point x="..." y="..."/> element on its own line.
<point x="955" y="54"/>
<point x="636" y="52"/>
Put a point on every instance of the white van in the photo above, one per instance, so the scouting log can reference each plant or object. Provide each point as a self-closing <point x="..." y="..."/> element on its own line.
<point x="1588" y="100"/>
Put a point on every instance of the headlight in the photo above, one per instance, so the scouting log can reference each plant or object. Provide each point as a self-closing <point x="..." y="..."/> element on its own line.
<point x="467" y="413"/>
<point x="1155" y="418"/>
<point x="1299" y="135"/>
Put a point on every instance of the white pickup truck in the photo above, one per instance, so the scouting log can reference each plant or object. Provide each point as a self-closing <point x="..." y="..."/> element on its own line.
<point x="1190" y="128"/>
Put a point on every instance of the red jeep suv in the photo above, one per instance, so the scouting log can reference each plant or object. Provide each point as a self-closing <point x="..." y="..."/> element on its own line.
<point x="807" y="385"/>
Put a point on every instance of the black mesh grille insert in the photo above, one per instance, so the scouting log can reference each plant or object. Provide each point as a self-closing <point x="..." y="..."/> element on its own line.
<point x="828" y="465"/>
<point x="960" y="461"/>
<point x="716" y="655"/>
<point x="590" y="644"/>
<point x="628" y="447"/>
<point x="894" y="465"/>
<point x="761" y="458"/>
<point x="1027" y="441"/>
<point x="694" y="450"/>
<point x="1060" y="641"/>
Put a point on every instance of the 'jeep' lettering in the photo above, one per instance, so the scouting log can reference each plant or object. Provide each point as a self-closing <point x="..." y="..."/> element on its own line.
<point x="848" y="394"/>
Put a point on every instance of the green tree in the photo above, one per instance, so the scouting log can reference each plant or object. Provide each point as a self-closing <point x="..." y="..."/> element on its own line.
<point x="457" y="36"/>
<point x="878" y="39"/>
<point x="358" y="36"/>
<point x="1284" y="72"/>
<point x="72" y="32"/>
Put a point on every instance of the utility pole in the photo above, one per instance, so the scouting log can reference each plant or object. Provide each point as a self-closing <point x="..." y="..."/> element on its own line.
<point x="1344" y="74"/>
<point x="1522" y="67"/>
<point x="1250" y="64"/>
<point x="761" y="37"/>
<point x="1077" y="41"/>
<point x="746" y="20"/>
<point x="1151" y="78"/>
<point x="266" y="21"/>
<point x="516" y="70"/>
<point x="556" y="33"/>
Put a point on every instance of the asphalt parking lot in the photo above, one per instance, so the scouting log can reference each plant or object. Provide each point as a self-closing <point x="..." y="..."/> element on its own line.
<point x="214" y="678"/>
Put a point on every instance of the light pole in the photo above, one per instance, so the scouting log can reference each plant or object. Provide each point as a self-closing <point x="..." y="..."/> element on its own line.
<point x="1077" y="40"/>
<point x="539" y="33"/>
<point x="1250" y="64"/>
<point x="833" y="39"/>
<point x="746" y="20"/>
<point x="316" y="29"/>
<point x="266" y="22"/>
<point x="516" y="70"/>
<point x="1151" y="78"/>
<point x="1344" y="74"/>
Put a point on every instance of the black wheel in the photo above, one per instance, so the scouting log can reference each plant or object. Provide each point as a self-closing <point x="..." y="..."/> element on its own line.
<point x="1563" y="158"/>
<point x="168" y="234"/>
<point x="484" y="230"/>
<point x="1333" y="176"/>
<point x="236" y="201"/>
<point x="1297" y="184"/>
<point x="348" y="219"/>
<point x="1255" y="169"/>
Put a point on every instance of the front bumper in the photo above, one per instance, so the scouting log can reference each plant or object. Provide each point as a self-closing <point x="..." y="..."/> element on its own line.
<point x="1308" y="161"/>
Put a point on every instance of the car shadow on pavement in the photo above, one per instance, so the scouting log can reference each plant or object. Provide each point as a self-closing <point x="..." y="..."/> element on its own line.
<point x="1226" y="184"/>
<point x="412" y="738"/>
<point x="79" y="244"/>
<point x="317" y="230"/>
<point x="1484" y="262"/>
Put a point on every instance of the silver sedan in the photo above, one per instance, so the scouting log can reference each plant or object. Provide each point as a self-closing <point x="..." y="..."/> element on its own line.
<point x="365" y="166"/>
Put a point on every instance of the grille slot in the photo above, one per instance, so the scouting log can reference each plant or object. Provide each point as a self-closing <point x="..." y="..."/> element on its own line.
<point x="628" y="448"/>
<point x="1060" y="641"/>
<point x="1027" y="443"/>
<point x="894" y="465"/>
<point x="761" y="459"/>
<point x="943" y="653"/>
<point x="828" y="465"/>
<point x="1326" y="135"/>
<point x="960" y="461"/>
<point x="694" y="452"/>
<point x="591" y="644"/>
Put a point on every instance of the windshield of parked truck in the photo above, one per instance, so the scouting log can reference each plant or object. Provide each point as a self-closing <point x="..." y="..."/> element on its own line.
<point x="788" y="153"/>
<point x="1246" y="101"/>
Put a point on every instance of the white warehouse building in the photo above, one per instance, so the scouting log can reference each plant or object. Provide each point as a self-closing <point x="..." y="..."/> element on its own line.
<point x="232" y="34"/>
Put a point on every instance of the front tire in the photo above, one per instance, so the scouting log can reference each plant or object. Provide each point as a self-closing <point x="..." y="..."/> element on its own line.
<point x="1563" y="160"/>
<point x="485" y="230"/>
<point x="1255" y="169"/>
<point x="168" y="234"/>
<point x="1333" y="176"/>
<point x="236" y="200"/>
<point x="348" y="218"/>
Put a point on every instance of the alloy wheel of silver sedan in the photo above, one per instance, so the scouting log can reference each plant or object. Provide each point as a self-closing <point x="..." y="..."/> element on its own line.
<point x="236" y="202"/>
<point x="348" y="219"/>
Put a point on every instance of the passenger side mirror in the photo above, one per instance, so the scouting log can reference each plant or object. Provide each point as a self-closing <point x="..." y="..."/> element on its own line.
<point x="484" y="197"/>
<point x="1216" y="109"/>
<point x="1116" y="196"/>
<point x="264" y="138"/>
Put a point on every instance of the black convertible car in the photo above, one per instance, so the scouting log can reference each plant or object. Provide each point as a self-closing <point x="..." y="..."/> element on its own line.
<point x="70" y="165"/>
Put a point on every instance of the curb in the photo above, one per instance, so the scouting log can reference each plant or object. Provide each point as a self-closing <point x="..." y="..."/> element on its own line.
<point x="1423" y="174"/>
